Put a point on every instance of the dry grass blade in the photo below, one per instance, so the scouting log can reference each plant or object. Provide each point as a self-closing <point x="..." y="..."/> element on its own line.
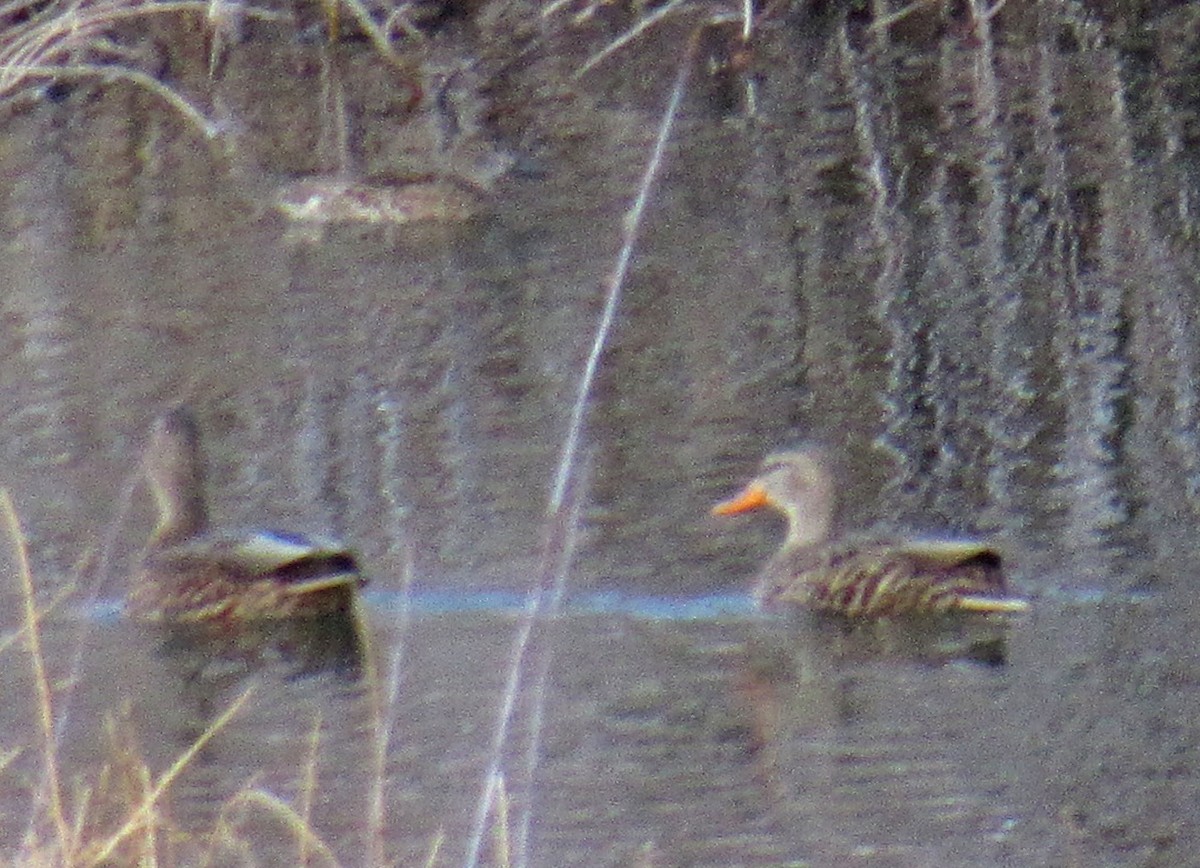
<point x="309" y="789"/>
<point x="435" y="849"/>
<point x="712" y="15"/>
<point x="385" y="694"/>
<point x="558" y="555"/>
<point x="385" y="720"/>
<point x="629" y="35"/>
<point x="501" y="840"/>
<point x="8" y="757"/>
<point x="632" y="225"/>
<point x="97" y="854"/>
<point x="885" y="21"/>
<point x="310" y="844"/>
<point x="16" y="635"/>
<point x="41" y="679"/>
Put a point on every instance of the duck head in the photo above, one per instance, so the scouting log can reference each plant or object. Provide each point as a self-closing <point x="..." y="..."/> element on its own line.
<point x="797" y="483"/>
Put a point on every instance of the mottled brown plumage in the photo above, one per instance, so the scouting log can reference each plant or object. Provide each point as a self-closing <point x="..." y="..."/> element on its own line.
<point x="189" y="572"/>
<point x="861" y="577"/>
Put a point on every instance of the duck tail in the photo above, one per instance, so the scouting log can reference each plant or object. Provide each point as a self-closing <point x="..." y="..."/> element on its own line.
<point x="998" y="605"/>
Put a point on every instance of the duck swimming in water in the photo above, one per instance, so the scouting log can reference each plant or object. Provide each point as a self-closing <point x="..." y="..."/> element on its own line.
<point x="861" y="576"/>
<point x="190" y="572"/>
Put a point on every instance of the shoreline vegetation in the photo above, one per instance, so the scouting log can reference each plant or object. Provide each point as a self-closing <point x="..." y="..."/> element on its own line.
<point x="44" y="46"/>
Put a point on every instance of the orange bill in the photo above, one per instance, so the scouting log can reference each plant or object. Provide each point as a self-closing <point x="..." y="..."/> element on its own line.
<point x="751" y="497"/>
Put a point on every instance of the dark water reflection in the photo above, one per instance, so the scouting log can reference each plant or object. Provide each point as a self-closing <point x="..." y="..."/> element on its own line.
<point x="959" y="248"/>
<point x="712" y="741"/>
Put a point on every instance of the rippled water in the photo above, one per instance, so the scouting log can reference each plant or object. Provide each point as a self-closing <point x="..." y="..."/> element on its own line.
<point x="958" y="249"/>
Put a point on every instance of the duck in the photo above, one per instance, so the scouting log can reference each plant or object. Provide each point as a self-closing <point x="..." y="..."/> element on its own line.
<point x="190" y="572"/>
<point x="861" y="576"/>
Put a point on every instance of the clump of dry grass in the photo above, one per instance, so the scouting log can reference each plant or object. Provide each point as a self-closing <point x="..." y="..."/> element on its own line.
<point x="44" y="44"/>
<point x="116" y="818"/>
<point x="70" y="40"/>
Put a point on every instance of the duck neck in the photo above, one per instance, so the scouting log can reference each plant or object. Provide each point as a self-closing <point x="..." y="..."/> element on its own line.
<point x="182" y="514"/>
<point x="806" y="528"/>
<point x="176" y="477"/>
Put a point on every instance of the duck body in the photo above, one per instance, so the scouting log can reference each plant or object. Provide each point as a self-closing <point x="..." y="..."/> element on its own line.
<point x="190" y="572"/>
<point x="862" y="576"/>
<point x="874" y="578"/>
<point x="251" y="574"/>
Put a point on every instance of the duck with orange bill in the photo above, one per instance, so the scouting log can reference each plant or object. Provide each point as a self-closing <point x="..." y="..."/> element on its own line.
<point x="861" y="576"/>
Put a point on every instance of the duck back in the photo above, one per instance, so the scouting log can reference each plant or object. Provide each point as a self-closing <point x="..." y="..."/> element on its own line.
<point x="878" y="577"/>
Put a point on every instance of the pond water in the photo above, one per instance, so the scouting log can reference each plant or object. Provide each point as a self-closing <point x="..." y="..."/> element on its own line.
<point x="956" y="247"/>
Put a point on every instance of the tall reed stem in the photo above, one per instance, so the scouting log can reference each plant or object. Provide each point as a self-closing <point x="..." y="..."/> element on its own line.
<point x="552" y="575"/>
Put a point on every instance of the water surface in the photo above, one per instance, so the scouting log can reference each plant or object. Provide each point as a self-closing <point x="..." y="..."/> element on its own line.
<point x="959" y="249"/>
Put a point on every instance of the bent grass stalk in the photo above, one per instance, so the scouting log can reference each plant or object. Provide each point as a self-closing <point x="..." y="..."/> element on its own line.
<point x="142" y="815"/>
<point x="310" y="844"/>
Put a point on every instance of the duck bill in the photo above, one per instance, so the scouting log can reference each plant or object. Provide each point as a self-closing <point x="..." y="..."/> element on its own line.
<point x="751" y="497"/>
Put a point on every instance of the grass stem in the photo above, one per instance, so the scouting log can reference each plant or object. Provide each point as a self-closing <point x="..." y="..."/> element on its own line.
<point x="45" y="694"/>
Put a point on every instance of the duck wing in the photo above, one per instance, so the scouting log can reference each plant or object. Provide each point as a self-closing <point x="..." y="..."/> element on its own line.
<point x="880" y="577"/>
<point x="301" y="562"/>
<point x="936" y="553"/>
